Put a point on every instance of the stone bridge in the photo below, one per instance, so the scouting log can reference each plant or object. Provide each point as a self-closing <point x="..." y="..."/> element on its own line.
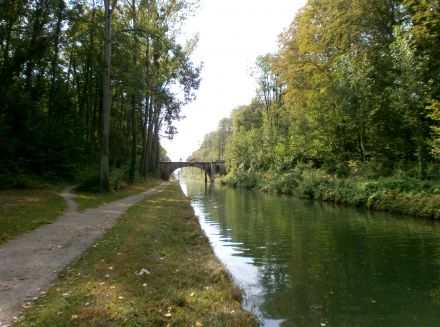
<point x="211" y="168"/>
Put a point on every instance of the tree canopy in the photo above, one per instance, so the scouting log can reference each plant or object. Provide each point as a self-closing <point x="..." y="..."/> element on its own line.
<point x="354" y="84"/>
<point x="51" y="95"/>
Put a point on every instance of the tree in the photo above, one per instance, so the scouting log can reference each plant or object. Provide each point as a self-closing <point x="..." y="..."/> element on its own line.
<point x="269" y="86"/>
<point x="106" y="96"/>
<point x="55" y="95"/>
<point x="422" y="37"/>
<point x="214" y="143"/>
<point x="354" y="84"/>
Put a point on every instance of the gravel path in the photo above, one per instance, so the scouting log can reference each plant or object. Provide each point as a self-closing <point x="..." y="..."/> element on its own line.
<point x="31" y="262"/>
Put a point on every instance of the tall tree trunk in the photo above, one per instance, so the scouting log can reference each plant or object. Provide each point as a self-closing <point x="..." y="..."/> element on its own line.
<point x="362" y="140"/>
<point x="155" y="151"/>
<point x="106" y="98"/>
<point x="147" y="116"/>
<point x="422" y="157"/>
<point x="54" y="63"/>
<point x="133" y="140"/>
<point x="35" y="48"/>
<point x="134" y="90"/>
<point x="149" y="145"/>
<point x="143" y="166"/>
<point x="157" y="155"/>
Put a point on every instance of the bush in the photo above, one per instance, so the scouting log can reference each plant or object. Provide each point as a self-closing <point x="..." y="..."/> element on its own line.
<point x="89" y="180"/>
<point x="397" y="193"/>
<point x="244" y="180"/>
<point x="22" y="181"/>
<point x="118" y="180"/>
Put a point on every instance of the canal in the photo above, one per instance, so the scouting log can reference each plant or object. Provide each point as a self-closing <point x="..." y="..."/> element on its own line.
<point x="308" y="263"/>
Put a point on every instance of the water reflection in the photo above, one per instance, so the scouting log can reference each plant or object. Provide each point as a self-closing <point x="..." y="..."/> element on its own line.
<point x="305" y="263"/>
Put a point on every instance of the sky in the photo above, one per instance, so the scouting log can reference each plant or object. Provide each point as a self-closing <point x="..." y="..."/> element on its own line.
<point x="232" y="34"/>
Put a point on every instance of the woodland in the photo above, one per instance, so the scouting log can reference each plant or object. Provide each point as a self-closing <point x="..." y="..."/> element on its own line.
<point x="347" y="110"/>
<point x="88" y="88"/>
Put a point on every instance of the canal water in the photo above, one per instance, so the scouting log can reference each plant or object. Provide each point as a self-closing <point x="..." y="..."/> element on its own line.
<point x="308" y="263"/>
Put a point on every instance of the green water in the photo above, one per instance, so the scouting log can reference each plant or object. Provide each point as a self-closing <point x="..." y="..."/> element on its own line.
<point x="306" y="263"/>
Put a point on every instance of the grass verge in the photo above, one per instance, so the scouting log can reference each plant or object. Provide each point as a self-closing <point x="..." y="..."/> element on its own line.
<point x="154" y="268"/>
<point x="22" y="210"/>
<point x="87" y="200"/>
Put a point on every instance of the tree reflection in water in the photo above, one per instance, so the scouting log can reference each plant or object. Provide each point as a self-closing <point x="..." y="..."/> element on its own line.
<point x="306" y="263"/>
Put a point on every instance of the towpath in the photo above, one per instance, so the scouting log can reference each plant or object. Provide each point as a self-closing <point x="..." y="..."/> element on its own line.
<point x="30" y="262"/>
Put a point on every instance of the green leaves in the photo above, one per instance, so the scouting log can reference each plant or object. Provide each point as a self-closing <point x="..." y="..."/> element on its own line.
<point x="353" y="82"/>
<point x="51" y="68"/>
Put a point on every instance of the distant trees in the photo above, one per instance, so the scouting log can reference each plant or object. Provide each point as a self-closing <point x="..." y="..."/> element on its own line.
<point x="355" y="85"/>
<point x="214" y="143"/>
<point x="54" y="118"/>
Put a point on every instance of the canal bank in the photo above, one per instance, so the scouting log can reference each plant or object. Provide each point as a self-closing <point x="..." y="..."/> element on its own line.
<point x="312" y="263"/>
<point x="154" y="268"/>
<point x="395" y="194"/>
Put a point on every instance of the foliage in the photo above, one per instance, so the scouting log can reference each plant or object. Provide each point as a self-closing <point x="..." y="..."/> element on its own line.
<point x="214" y="144"/>
<point x="352" y="97"/>
<point x="398" y="194"/>
<point x="51" y="68"/>
<point x="358" y="107"/>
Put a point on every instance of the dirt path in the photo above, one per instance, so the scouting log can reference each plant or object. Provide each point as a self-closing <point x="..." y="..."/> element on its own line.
<point x="30" y="262"/>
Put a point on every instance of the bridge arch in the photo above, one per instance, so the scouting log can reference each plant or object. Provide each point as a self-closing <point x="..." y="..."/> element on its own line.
<point x="210" y="167"/>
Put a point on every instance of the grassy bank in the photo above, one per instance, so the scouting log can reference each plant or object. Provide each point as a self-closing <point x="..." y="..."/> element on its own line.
<point x="154" y="268"/>
<point x="88" y="199"/>
<point x="397" y="194"/>
<point x="26" y="209"/>
<point x="22" y="210"/>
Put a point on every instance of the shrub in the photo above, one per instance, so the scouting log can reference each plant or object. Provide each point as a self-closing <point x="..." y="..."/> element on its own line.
<point x="397" y="193"/>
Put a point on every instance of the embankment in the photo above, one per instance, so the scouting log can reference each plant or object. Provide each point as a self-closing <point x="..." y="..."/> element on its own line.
<point x="396" y="194"/>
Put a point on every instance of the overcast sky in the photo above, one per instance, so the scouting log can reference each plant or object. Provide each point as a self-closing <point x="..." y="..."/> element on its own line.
<point x="232" y="34"/>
